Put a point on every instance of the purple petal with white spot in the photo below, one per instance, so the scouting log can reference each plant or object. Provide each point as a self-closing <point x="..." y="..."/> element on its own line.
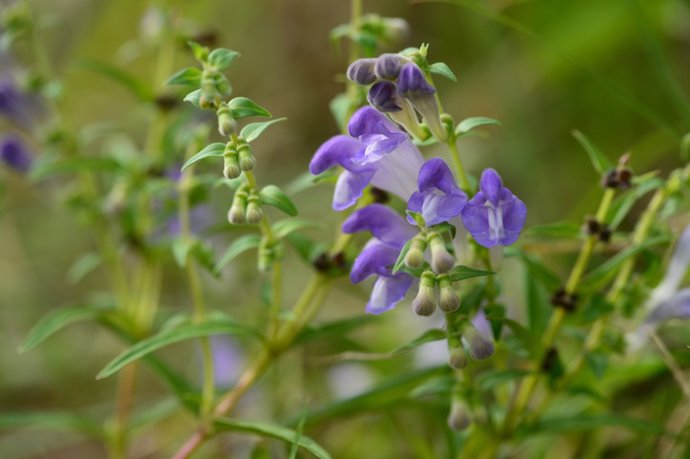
<point x="383" y="223"/>
<point x="387" y="292"/>
<point x="439" y="199"/>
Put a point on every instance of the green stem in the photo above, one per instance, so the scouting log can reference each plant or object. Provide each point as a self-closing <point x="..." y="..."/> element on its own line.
<point x="457" y="164"/>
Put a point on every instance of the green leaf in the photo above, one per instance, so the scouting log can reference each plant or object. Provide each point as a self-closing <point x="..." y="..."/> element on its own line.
<point x="400" y="262"/>
<point x="119" y="76"/>
<point x="600" y="162"/>
<point x="584" y="422"/>
<point x="433" y="334"/>
<point x="193" y="97"/>
<point x="252" y="131"/>
<point x="243" y="107"/>
<point x="441" y="68"/>
<point x="461" y="272"/>
<point x="200" y="52"/>
<point x="265" y="429"/>
<point x="153" y="414"/>
<point x="191" y="76"/>
<point x="238" y="246"/>
<point x="340" y="107"/>
<point x="557" y="230"/>
<point x="83" y="266"/>
<point x="337" y="327"/>
<point x="491" y="379"/>
<point x="221" y="58"/>
<point x="307" y="248"/>
<point x="468" y="124"/>
<point x="282" y="228"/>
<point x="212" y="326"/>
<point x="215" y="150"/>
<point x="625" y="203"/>
<point x="599" y="276"/>
<point x="52" y="421"/>
<point x="50" y="167"/>
<point x="56" y="320"/>
<point x="180" y="249"/>
<point x="273" y="196"/>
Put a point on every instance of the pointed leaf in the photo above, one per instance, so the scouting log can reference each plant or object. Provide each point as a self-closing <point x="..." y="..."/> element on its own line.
<point x="273" y="196"/>
<point x="191" y="76"/>
<point x="599" y="161"/>
<point x="282" y="228"/>
<point x="583" y="422"/>
<point x="433" y="334"/>
<point x="215" y="150"/>
<point x="243" y="107"/>
<point x="441" y="68"/>
<point x="52" y="421"/>
<point x="273" y="431"/>
<point x="83" y="266"/>
<point x="461" y="272"/>
<point x="252" y="131"/>
<point x="212" y="326"/>
<point x="238" y="246"/>
<point x="136" y="87"/>
<point x="400" y="262"/>
<point x="193" y="97"/>
<point x="468" y="124"/>
<point x="221" y="58"/>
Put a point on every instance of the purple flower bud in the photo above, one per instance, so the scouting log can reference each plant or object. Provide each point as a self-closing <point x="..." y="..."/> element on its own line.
<point x="458" y="419"/>
<point x="441" y="260"/>
<point x="424" y="303"/>
<point x="413" y="86"/>
<point x="478" y="337"/>
<point x="361" y="71"/>
<point x="449" y="301"/>
<point x="384" y="97"/>
<point x="14" y="154"/>
<point x="388" y="66"/>
<point x="457" y="359"/>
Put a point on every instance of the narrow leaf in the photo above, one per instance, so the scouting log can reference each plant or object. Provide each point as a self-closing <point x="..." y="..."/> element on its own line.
<point x="400" y="262"/>
<point x="585" y="422"/>
<point x="265" y="429"/>
<point x="337" y="327"/>
<point x="44" y="169"/>
<point x="434" y="334"/>
<point x="465" y="272"/>
<point x="468" y="124"/>
<point x="252" y="131"/>
<point x="282" y="228"/>
<point x="243" y="107"/>
<point x="193" y="97"/>
<point x="238" y="246"/>
<point x="83" y="266"/>
<point x="52" y="421"/>
<point x="490" y="379"/>
<point x="119" y="76"/>
<point x="214" y="326"/>
<point x="600" y="162"/>
<point x="221" y="58"/>
<point x="557" y="230"/>
<point x="191" y="76"/>
<point x="215" y="150"/>
<point x="273" y="196"/>
<point x="441" y="68"/>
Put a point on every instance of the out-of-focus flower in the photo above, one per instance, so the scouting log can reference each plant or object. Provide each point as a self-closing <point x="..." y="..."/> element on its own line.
<point x="438" y="198"/>
<point x="494" y="216"/>
<point x="478" y="337"/>
<point x="227" y="361"/>
<point x="390" y="232"/>
<point x="414" y="86"/>
<point x="666" y="301"/>
<point x="376" y="152"/>
<point x="14" y="154"/>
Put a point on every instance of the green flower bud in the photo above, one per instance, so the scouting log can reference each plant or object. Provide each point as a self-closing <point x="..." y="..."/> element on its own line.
<point x="254" y="211"/>
<point x="449" y="301"/>
<point x="236" y="214"/>
<point x="246" y="158"/>
<point x="457" y="359"/>
<point x="414" y="258"/>
<point x="441" y="260"/>
<point x="210" y="96"/>
<point x="459" y="418"/>
<point x="424" y="303"/>
<point x="231" y="168"/>
<point x="226" y="123"/>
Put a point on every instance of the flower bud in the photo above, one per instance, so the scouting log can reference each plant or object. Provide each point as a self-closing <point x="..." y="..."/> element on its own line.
<point x="424" y="303"/>
<point x="457" y="359"/>
<point x="480" y="343"/>
<point x="361" y="71"/>
<point x="449" y="301"/>
<point x="396" y="29"/>
<point x="15" y="155"/>
<point x="441" y="260"/>
<point x="226" y="123"/>
<point x="222" y="84"/>
<point x="236" y="214"/>
<point x="384" y="97"/>
<point x="246" y="158"/>
<point x="231" y="167"/>
<point x="388" y="66"/>
<point x="254" y="212"/>
<point x="458" y="419"/>
<point x="414" y="258"/>
<point x="210" y="96"/>
<point x="413" y="86"/>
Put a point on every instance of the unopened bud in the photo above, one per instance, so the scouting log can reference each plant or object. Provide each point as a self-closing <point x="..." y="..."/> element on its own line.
<point x="384" y="97"/>
<point x="388" y="66"/>
<point x="414" y="86"/>
<point x="457" y="359"/>
<point x="458" y="419"/>
<point x="210" y="96"/>
<point x="361" y="71"/>
<point x="236" y="214"/>
<point x="231" y="167"/>
<point x="414" y="258"/>
<point x="254" y="212"/>
<point x="226" y="123"/>
<point x="480" y="347"/>
<point x="441" y="260"/>
<point x="396" y="29"/>
<point x="246" y="158"/>
<point x="424" y="303"/>
<point x="449" y="301"/>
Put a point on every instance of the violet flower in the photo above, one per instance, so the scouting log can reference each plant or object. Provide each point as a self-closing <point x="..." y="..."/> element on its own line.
<point x="494" y="216"/>
<point x="666" y="301"/>
<point x="413" y="85"/>
<point x="376" y="152"/>
<point x="390" y="232"/>
<point x="438" y="198"/>
<point x="15" y="155"/>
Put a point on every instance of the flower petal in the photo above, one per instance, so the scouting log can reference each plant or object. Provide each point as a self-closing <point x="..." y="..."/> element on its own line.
<point x="375" y="258"/>
<point x="383" y="223"/>
<point x="387" y="292"/>
<point x="339" y="150"/>
<point x="397" y="171"/>
<point x="436" y="174"/>
<point x="350" y="187"/>
<point x="514" y="216"/>
<point x="439" y="208"/>
<point x="367" y="120"/>
<point x="491" y="184"/>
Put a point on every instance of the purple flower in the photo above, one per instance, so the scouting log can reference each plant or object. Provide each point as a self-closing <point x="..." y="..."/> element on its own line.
<point x="413" y="85"/>
<point x="14" y="154"/>
<point x="390" y="232"/>
<point x="15" y="105"/>
<point x="439" y="199"/>
<point x="494" y="216"/>
<point x="227" y="360"/>
<point x="376" y="152"/>
<point x="361" y="71"/>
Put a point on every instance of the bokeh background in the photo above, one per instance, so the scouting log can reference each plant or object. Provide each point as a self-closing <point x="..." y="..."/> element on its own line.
<point x="617" y="70"/>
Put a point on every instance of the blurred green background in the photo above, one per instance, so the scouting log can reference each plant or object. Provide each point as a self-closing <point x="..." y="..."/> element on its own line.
<point x="618" y="70"/>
